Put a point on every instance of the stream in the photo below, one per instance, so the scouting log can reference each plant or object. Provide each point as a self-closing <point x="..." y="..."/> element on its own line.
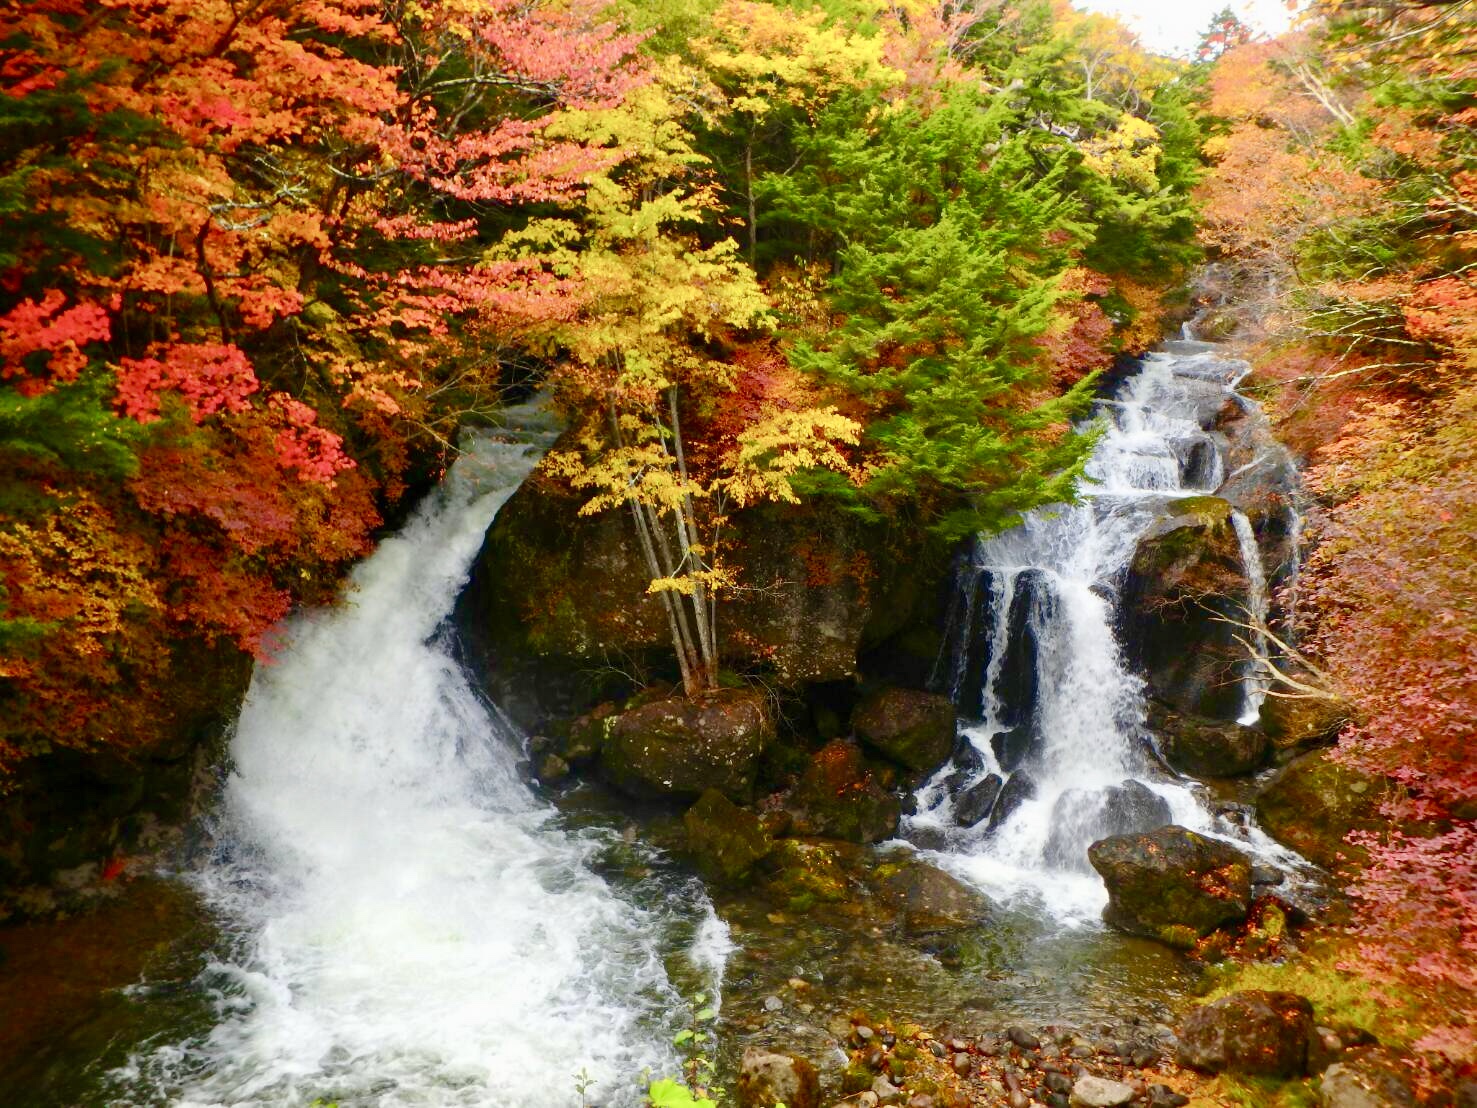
<point x="383" y="912"/>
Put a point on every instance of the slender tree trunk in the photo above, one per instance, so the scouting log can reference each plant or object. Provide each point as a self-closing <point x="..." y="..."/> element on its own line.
<point x="687" y="533"/>
<point x="749" y="185"/>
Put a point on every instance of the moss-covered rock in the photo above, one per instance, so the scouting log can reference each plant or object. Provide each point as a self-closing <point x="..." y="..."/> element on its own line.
<point x="681" y="746"/>
<point x="1201" y="747"/>
<point x="800" y="873"/>
<point x="912" y="728"/>
<point x="727" y="841"/>
<point x="767" y="1078"/>
<point x="928" y="900"/>
<point x="1314" y="803"/>
<point x="1296" y="723"/>
<point x="839" y="797"/>
<point x="1253" y="1033"/>
<point x="1186" y="579"/>
<point x="1171" y="884"/>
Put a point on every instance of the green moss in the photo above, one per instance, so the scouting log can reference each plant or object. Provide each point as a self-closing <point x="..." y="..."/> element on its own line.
<point x="1264" y="1092"/>
<point x="1339" y="997"/>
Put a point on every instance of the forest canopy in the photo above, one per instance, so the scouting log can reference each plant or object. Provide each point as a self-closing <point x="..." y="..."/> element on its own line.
<point x="261" y="264"/>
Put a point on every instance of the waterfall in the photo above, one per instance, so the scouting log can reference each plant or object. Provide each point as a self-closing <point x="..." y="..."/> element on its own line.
<point x="1255" y="681"/>
<point x="408" y="923"/>
<point x="1049" y="706"/>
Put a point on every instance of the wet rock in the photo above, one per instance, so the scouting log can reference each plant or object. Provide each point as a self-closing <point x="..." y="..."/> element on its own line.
<point x="974" y="804"/>
<point x="1099" y="1092"/>
<point x="1294" y="723"/>
<point x="1200" y="747"/>
<point x="800" y="873"/>
<point x="914" y="729"/>
<point x="1020" y="788"/>
<point x="1023" y="1038"/>
<point x="1185" y="580"/>
<point x="1058" y="1082"/>
<point x="839" y="797"/>
<point x="552" y="769"/>
<point x="886" y="1091"/>
<point x="1370" y="1078"/>
<point x="767" y="1078"/>
<point x="962" y="1064"/>
<point x="1267" y="875"/>
<point x="726" y="840"/>
<point x="1013" y="746"/>
<point x="1253" y="1033"/>
<point x="1172" y="884"/>
<point x="1082" y="816"/>
<point x="681" y="746"/>
<point x="931" y="901"/>
<point x="1162" y="1096"/>
<point x="1314" y="803"/>
<point x="587" y="734"/>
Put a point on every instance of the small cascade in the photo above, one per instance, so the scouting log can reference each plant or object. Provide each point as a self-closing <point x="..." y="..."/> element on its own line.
<point x="1255" y="681"/>
<point x="406" y="922"/>
<point x="1054" y="752"/>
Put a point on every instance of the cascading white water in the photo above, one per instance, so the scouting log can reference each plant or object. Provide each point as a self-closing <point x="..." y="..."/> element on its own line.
<point x="410" y="927"/>
<point x="1254" y="681"/>
<point x="1086" y="706"/>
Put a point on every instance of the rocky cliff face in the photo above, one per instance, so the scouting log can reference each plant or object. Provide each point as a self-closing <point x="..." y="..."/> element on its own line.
<point x="556" y="613"/>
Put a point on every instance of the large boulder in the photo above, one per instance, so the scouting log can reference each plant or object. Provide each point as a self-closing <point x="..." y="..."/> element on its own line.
<point x="1171" y="884"/>
<point x="557" y="605"/>
<point x="1185" y="581"/>
<point x="975" y="802"/>
<point x="1020" y="788"/>
<point x="1200" y="747"/>
<point x="767" y="1078"/>
<point x="930" y="901"/>
<point x="1314" y="803"/>
<point x="839" y="797"/>
<point x="727" y="841"/>
<point x="680" y="746"/>
<point x="1252" y="1033"/>
<point x="912" y="728"/>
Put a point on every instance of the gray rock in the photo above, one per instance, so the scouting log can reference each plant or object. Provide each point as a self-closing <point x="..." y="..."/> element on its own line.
<point x="1099" y="1092"/>
<point x="975" y="803"/>
<point x="1370" y="1078"/>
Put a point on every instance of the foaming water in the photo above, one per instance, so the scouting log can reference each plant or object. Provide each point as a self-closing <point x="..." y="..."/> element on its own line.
<point x="1035" y="653"/>
<point x="409" y="924"/>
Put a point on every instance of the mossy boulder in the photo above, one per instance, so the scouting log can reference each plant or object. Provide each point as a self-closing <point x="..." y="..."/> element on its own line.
<point x="682" y="746"/>
<point x="1185" y="581"/>
<point x="1250" y="1033"/>
<point x="928" y="900"/>
<point x="1299" y="723"/>
<point x="726" y="841"/>
<point x="1314" y="803"/>
<point x="800" y="873"/>
<point x="838" y="796"/>
<point x="912" y="728"/>
<point x="767" y="1078"/>
<point x="1200" y="747"/>
<point x="1171" y="884"/>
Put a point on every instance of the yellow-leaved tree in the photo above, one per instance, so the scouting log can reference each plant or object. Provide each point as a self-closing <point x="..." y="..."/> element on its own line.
<point x="655" y="305"/>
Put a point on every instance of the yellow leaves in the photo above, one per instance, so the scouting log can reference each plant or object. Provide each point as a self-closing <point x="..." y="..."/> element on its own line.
<point x="787" y="443"/>
<point x="1130" y="152"/>
<point x="762" y="55"/>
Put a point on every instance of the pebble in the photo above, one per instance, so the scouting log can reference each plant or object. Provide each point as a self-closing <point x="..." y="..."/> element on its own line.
<point x="773" y="1004"/>
<point x="887" y="1092"/>
<point x="958" y="1046"/>
<point x="864" y="1033"/>
<point x="936" y="1048"/>
<point x="1099" y="1092"/>
<point x="920" y="1100"/>
<point x="1058" y="1082"/>
<point x="1144" y="1057"/>
<point x="963" y="1064"/>
<point x="1018" y="1099"/>
<point x="1058" y="1100"/>
<point x="1162" y="1096"/>
<point x="1023" y="1038"/>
